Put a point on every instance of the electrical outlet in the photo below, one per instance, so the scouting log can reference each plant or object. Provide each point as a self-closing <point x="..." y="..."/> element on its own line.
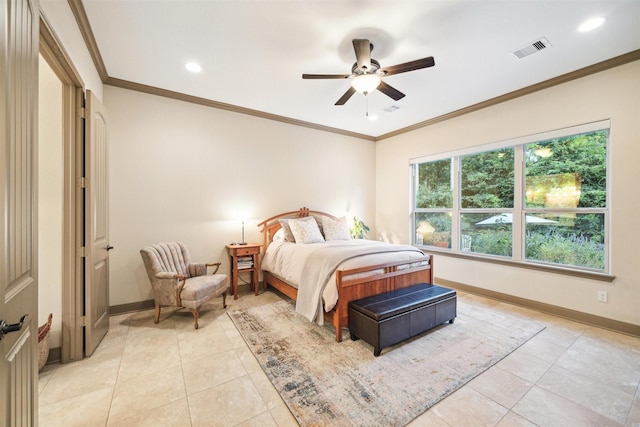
<point x="602" y="296"/>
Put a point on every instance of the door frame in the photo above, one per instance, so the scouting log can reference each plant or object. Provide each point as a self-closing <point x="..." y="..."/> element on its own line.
<point x="72" y="347"/>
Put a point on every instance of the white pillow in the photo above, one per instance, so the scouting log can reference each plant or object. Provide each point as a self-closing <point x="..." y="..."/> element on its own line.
<point x="288" y="235"/>
<point x="279" y="236"/>
<point x="335" y="229"/>
<point x="305" y="230"/>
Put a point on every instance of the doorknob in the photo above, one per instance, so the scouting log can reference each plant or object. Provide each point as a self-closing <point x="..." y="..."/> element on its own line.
<point x="109" y="247"/>
<point x="5" y="328"/>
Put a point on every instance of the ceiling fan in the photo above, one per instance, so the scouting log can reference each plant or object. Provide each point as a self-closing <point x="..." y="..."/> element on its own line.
<point x="366" y="74"/>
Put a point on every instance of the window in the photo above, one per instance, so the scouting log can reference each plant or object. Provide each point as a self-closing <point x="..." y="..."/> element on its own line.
<point x="487" y="198"/>
<point x="434" y="197"/>
<point x="540" y="199"/>
<point x="566" y="200"/>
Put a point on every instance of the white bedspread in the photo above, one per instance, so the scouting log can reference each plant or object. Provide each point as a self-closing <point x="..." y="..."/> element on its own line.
<point x="301" y="265"/>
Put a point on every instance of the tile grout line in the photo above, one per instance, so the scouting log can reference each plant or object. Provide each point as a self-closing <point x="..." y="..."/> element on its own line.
<point x="115" y="384"/>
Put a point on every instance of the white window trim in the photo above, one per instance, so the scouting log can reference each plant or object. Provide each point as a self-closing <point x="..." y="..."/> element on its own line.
<point x="518" y="143"/>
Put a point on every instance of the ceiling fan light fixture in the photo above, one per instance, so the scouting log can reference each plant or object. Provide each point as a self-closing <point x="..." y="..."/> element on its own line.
<point x="365" y="83"/>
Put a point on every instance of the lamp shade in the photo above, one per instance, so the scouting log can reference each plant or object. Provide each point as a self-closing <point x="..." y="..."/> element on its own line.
<point x="365" y="83"/>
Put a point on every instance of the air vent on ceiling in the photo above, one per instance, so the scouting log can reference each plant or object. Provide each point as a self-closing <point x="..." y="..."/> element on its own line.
<point x="533" y="47"/>
<point x="391" y="109"/>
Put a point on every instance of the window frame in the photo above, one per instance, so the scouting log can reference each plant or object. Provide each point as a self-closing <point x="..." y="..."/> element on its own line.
<point x="519" y="210"/>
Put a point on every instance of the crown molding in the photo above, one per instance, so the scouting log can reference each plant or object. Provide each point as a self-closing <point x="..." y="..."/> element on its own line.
<point x="138" y="87"/>
<point x="77" y="8"/>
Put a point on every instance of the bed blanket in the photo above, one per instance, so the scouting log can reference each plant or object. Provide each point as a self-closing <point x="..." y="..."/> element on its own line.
<point x="321" y="265"/>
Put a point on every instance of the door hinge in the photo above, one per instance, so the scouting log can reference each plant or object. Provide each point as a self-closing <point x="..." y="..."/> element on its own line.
<point x="83" y="321"/>
<point x="83" y="252"/>
<point x="82" y="112"/>
<point x="83" y="182"/>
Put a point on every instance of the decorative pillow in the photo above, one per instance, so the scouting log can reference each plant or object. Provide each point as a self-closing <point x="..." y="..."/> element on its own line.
<point x="288" y="236"/>
<point x="279" y="236"/>
<point x="305" y="230"/>
<point x="335" y="229"/>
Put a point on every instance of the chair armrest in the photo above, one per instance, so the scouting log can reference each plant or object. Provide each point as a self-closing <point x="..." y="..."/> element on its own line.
<point x="196" y="269"/>
<point x="200" y="268"/>
<point x="214" y="264"/>
<point x="180" y="288"/>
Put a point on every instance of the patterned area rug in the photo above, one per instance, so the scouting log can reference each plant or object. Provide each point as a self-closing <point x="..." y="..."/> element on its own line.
<point x="325" y="383"/>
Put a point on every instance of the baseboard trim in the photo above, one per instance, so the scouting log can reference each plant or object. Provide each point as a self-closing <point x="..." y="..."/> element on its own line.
<point x="131" y="307"/>
<point x="578" y="316"/>
<point x="55" y="355"/>
<point x="148" y="304"/>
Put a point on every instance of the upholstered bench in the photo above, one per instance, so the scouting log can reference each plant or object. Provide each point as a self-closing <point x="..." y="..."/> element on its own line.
<point x="392" y="317"/>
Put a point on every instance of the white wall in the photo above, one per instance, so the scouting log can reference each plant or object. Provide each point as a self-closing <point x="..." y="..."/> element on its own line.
<point x="191" y="173"/>
<point x="50" y="201"/>
<point x="612" y="94"/>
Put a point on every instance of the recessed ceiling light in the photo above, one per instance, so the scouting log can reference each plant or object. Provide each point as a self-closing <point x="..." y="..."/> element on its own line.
<point x="194" y="67"/>
<point x="591" y="24"/>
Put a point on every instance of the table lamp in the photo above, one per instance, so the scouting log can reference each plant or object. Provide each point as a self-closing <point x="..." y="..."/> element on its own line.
<point x="243" y="242"/>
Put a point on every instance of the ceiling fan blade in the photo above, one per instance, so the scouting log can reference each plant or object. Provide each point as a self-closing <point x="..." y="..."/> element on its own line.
<point x="409" y="66"/>
<point x="326" y="76"/>
<point x="390" y="91"/>
<point x="363" y="53"/>
<point x="346" y="96"/>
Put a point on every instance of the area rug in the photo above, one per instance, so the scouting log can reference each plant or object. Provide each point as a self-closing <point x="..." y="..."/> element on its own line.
<point x="326" y="383"/>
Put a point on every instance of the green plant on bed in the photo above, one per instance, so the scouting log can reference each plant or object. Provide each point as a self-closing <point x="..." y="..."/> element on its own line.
<point x="359" y="229"/>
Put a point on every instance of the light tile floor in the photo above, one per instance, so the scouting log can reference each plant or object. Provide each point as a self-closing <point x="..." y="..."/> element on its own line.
<point x="169" y="374"/>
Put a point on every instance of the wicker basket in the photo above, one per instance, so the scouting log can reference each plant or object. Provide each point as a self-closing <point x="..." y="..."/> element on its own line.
<point x="43" y="342"/>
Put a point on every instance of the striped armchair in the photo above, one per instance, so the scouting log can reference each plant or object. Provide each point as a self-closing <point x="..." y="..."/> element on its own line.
<point x="176" y="281"/>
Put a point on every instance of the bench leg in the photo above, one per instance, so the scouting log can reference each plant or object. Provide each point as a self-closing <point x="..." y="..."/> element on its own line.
<point x="376" y="352"/>
<point x="354" y="337"/>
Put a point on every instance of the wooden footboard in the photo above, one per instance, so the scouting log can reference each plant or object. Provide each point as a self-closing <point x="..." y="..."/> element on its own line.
<point x="387" y="277"/>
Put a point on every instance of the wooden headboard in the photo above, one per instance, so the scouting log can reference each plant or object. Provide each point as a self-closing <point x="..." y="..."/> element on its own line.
<point x="270" y="226"/>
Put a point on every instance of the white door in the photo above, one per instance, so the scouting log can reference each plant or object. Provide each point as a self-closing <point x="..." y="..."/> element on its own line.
<point x="96" y="224"/>
<point x="18" y="212"/>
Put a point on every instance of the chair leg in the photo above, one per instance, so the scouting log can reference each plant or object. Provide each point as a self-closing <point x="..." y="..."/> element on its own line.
<point x="195" y="316"/>
<point x="224" y="300"/>
<point x="156" y="318"/>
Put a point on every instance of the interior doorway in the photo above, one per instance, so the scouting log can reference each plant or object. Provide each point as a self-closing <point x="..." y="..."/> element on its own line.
<point x="66" y="230"/>
<point x="50" y="202"/>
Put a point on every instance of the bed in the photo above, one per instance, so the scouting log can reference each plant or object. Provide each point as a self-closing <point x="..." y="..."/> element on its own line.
<point x="367" y="267"/>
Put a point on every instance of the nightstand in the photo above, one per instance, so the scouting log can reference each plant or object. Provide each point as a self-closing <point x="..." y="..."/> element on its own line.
<point x="244" y="259"/>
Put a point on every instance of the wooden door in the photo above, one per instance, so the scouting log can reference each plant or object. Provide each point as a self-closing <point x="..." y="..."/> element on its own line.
<point x="18" y="211"/>
<point x="97" y="247"/>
